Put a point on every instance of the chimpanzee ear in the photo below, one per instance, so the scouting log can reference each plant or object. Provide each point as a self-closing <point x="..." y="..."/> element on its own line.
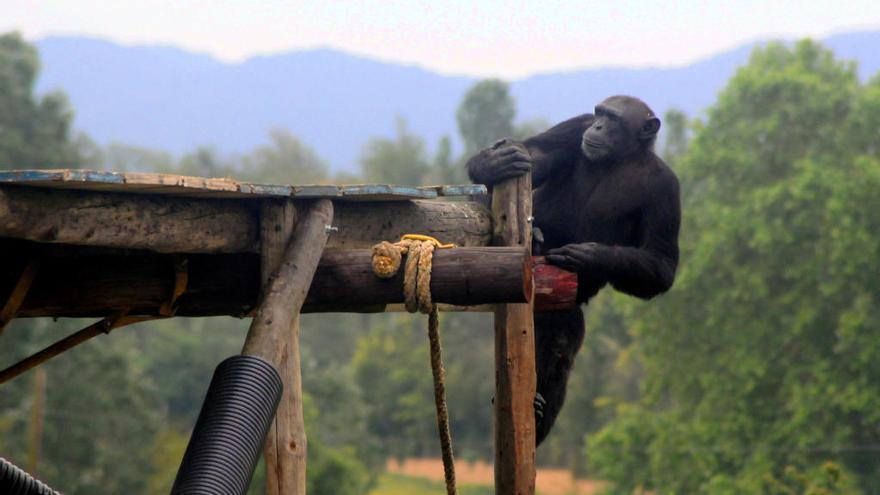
<point x="649" y="128"/>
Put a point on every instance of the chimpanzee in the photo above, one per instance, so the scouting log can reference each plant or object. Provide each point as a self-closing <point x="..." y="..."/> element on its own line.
<point x="605" y="206"/>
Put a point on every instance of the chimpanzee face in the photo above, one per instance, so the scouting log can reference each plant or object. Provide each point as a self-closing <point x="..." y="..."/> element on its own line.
<point x="622" y="126"/>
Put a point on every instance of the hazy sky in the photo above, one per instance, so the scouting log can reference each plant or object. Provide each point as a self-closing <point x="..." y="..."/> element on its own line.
<point x="481" y="38"/>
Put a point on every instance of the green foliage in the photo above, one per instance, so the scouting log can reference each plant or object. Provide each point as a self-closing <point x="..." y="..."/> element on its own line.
<point x="485" y="115"/>
<point x="285" y="161"/>
<point x="128" y="158"/>
<point x="34" y="132"/>
<point x="391" y="363"/>
<point x="401" y="161"/>
<point x="205" y="161"/>
<point x="335" y="471"/>
<point x="760" y="362"/>
<point x="675" y="128"/>
<point x="101" y="412"/>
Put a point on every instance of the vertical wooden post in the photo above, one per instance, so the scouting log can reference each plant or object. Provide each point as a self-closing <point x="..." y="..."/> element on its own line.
<point x="285" y="448"/>
<point x="515" y="378"/>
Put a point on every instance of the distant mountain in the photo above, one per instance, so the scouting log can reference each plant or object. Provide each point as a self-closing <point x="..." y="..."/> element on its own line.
<point x="164" y="97"/>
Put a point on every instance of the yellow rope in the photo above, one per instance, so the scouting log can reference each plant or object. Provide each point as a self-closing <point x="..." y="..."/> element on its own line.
<point x="419" y="250"/>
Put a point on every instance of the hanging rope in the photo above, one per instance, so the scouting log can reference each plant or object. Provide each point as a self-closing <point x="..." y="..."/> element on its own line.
<point x="419" y="251"/>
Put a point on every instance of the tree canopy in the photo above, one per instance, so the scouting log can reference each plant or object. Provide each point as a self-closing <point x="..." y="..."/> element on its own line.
<point x="761" y="369"/>
<point x="35" y="132"/>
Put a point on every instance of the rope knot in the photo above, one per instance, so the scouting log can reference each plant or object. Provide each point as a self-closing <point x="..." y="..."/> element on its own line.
<point x="386" y="261"/>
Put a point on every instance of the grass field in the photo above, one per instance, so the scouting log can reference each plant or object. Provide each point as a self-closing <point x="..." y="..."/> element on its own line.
<point x="478" y="477"/>
<point x="419" y="476"/>
<point x="398" y="484"/>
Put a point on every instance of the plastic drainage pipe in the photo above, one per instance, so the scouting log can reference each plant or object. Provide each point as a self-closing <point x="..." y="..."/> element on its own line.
<point x="14" y="481"/>
<point x="232" y="425"/>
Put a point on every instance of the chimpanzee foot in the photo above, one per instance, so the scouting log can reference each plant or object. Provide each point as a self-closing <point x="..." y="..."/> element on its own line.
<point x="539" y="407"/>
<point x="538" y="403"/>
<point x="537" y="242"/>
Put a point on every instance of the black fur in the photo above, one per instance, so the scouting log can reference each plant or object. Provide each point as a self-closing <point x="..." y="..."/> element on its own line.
<point x="613" y="218"/>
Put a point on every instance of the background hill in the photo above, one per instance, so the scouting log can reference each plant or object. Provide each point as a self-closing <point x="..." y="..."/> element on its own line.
<point x="168" y="98"/>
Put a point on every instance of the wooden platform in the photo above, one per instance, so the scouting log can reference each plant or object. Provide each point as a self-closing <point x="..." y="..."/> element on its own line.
<point x="181" y="185"/>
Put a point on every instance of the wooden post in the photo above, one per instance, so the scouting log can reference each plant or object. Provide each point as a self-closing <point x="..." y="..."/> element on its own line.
<point x="284" y="467"/>
<point x="515" y="378"/>
<point x="289" y="263"/>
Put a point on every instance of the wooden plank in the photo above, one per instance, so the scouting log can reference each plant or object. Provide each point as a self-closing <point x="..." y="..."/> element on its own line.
<point x="180" y="185"/>
<point x="285" y="449"/>
<point x="197" y="225"/>
<point x="515" y="377"/>
<point x="97" y="282"/>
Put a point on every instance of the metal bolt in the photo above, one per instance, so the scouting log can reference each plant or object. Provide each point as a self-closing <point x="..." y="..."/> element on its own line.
<point x="530" y="219"/>
<point x="329" y="228"/>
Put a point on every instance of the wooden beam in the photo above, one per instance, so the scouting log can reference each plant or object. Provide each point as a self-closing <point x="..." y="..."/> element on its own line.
<point x="18" y="294"/>
<point x="515" y="378"/>
<point x="285" y="448"/>
<point x="157" y="223"/>
<point x="361" y="225"/>
<point x="171" y="224"/>
<point x="289" y="285"/>
<point x="269" y="337"/>
<point x="97" y="282"/>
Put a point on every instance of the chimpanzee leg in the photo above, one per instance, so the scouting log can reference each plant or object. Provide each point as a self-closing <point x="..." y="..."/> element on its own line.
<point x="558" y="337"/>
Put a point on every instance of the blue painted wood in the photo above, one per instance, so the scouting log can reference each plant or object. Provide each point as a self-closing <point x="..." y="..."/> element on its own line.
<point x="203" y="187"/>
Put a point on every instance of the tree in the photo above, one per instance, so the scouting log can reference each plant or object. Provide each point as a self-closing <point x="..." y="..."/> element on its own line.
<point x="287" y="160"/>
<point x="761" y="362"/>
<point x="676" y="143"/>
<point x="34" y="132"/>
<point x="206" y="161"/>
<point x="129" y="158"/>
<point x="485" y="115"/>
<point x="391" y="365"/>
<point x="399" y="161"/>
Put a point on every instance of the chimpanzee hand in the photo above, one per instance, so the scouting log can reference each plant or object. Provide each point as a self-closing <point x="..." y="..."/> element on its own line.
<point x="590" y="257"/>
<point x="503" y="160"/>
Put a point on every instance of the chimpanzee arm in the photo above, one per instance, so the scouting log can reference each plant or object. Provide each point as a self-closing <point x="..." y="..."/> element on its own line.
<point x="649" y="269"/>
<point x="645" y="269"/>
<point x="557" y="148"/>
<point x="545" y="154"/>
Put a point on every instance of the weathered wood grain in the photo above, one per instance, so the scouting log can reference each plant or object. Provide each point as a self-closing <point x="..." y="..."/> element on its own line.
<point x="285" y="449"/>
<point x="98" y="282"/>
<point x="169" y="224"/>
<point x="515" y="378"/>
<point x="289" y="284"/>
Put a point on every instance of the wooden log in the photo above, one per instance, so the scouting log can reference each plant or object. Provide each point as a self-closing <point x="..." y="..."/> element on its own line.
<point x="287" y="278"/>
<point x="285" y="449"/>
<point x="98" y="282"/>
<point x="157" y="223"/>
<point x="555" y="288"/>
<point x="515" y="378"/>
<point x="361" y="225"/>
<point x="289" y="285"/>
<point x="171" y="224"/>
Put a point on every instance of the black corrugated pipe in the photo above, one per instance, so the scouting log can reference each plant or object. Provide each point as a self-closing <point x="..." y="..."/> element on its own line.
<point x="14" y="481"/>
<point x="228" y="436"/>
